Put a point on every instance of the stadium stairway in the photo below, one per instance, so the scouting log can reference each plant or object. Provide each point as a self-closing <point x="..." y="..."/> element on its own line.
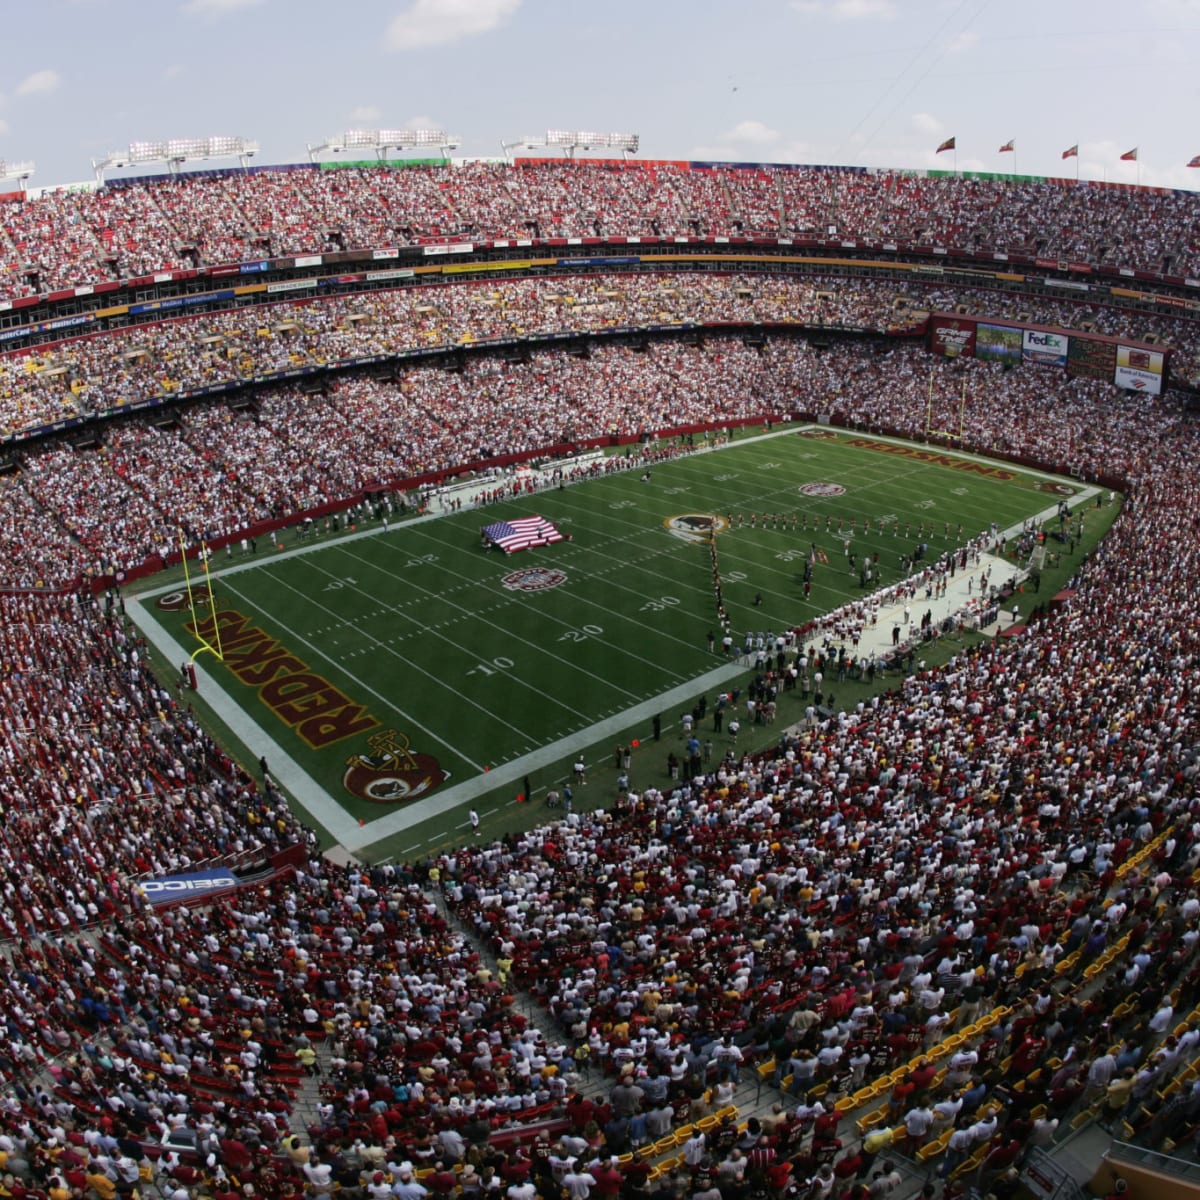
<point x="756" y="1095"/>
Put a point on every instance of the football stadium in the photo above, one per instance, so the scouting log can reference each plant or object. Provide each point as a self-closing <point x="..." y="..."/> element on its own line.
<point x="584" y="674"/>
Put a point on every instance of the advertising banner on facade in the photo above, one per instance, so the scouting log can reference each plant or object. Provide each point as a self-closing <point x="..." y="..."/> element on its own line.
<point x="952" y="336"/>
<point x="1042" y="346"/>
<point x="172" y="889"/>
<point x="1139" y="369"/>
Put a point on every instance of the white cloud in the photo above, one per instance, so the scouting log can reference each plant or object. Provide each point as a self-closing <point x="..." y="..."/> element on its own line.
<point x="365" y="113"/>
<point x="1177" y="10"/>
<point x="847" y="10"/>
<point x="173" y="72"/>
<point x="945" y="162"/>
<point x="216" y="8"/>
<point x="422" y="122"/>
<point x="769" y="150"/>
<point x="437" y="22"/>
<point x="1102" y="160"/>
<point x="752" y="133"/>
<point x="40" y="83"/>
<point x="961" y="42"/>
<point x="3" y="126"/>
<point x="924" y="122"/>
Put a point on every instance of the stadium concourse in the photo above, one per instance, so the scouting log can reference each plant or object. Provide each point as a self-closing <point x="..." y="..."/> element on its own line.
<point x="942" y="931"/>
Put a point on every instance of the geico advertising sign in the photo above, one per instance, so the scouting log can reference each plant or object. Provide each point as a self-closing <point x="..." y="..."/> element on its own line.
<point x="1043" y="347"/>
<point x="171" y="889"/>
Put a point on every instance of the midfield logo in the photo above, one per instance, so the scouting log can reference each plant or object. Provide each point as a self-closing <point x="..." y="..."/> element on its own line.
<point x="534" y="579"/>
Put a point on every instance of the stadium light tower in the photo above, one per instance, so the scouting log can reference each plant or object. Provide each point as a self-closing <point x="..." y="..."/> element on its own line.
<point x="175" y="152"/>
<point x="527" y="141"/>
<point x="380" y="141"/>
<point x="18" y="171"/>
<point x="570" y="140"/>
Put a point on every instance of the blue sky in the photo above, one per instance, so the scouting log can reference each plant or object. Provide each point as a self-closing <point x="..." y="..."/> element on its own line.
<point x="864" y="82"/>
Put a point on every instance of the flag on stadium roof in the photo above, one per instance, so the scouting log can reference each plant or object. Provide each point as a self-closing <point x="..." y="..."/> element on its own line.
<point x="948" y="144"/>
<point x="1195" y="161"/>
<point x="522" y="533"/>
<point x="1130" y="155"/>
<point x="1073" y="152"/>
<point x="1009" y="147"/>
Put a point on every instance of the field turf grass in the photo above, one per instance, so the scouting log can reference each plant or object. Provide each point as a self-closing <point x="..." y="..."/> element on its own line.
<point x="407" y="642"/>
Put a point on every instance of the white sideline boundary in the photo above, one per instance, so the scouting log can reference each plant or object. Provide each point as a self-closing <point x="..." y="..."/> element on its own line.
<point x="354" y="838"/>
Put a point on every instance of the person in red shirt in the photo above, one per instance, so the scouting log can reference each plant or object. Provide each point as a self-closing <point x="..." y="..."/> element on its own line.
<point x="580" y="1110"/>
<point x="847" y="1167"/>
<point x="923" y="1075"/>
<point x="236" y="1155"/>
<point x="779" y="1178"/>
<point x="898" y="1100"/>
<point x="517" y="1164"/>
<point x="637" y="1173"/>
<point x="760" y="1157"/>
<point x="609" y="1180"/>
<point x="442" y="1182"/>
<point x="826" y="1125"/>
<point x="1029" y="1054"/>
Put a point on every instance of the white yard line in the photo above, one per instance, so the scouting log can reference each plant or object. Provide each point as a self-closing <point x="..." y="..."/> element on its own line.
<point x="354" y="838"/>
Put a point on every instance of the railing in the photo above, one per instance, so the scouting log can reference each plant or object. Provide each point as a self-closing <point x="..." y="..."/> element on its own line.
<point x="1155" y="1160"/>
<point x="1047" y="1179"/>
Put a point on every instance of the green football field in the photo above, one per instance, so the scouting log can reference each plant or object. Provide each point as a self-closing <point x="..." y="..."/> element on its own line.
<point x="395" y="678"/>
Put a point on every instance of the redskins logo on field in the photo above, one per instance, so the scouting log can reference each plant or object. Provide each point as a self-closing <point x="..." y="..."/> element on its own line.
<point x="533" y="579"/>
<point x="822" y="489"/>
<point x="823" y="435"/>
<point x="696" y="527"/>
<point x="392" y="773"/>
<point x="1056" y="489"/>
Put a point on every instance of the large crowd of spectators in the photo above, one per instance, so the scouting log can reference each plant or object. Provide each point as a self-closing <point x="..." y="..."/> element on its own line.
<point x="130" y="228"/>
<point x="98" y="374"/>
<point x="840" y="906"/>
<point x="1001" y="851"/>
<point x="220" y="466"/>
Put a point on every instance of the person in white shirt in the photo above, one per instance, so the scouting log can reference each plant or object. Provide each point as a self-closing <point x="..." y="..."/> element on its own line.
<point x="320" y="1178"/>
<point x="578" y="1184"/>
<point x="985" y="1129"/>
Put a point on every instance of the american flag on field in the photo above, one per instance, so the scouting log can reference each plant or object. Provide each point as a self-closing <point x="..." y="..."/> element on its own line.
<point x="522" y="533"/>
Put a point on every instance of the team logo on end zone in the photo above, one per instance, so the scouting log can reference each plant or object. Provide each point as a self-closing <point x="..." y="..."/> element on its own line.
<point x="696" y="527"/>
<point x="173" y="601"/>
<point x="534" y="579"/>
<point x="827" y="435"/>
<point x="392" y="773"/>
<point x="822" y="489"/>
<point x="1056" y="489"/>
